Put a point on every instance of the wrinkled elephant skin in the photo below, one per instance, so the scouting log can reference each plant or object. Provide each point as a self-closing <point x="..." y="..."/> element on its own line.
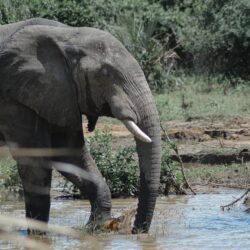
<point x="51" y="74"/>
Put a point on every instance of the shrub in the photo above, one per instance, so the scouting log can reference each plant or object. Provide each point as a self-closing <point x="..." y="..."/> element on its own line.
<point x="156" y="59"/>
<point x="119" y="168"/>
<point x="122" y="176"/>
<point x="9" y="177"/>
<point x="214" y="35"/>
<point x="13" y="10"/>
<point x="210" y="36"/>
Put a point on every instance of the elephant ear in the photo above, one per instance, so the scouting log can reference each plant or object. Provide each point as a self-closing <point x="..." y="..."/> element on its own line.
<point x="34" y="72"/>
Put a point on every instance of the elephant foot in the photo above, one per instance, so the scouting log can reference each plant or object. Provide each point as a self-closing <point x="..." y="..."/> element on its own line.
<point x="98" y="218"/>
<point x="107" y="225"/>
<point x="123" y="223"/>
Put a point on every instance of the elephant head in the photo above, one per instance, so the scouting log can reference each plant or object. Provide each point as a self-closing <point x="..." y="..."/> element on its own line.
<point x="62" y="73"/>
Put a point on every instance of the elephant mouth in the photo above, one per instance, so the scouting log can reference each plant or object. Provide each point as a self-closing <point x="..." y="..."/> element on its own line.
<point x="92" y="120"/>
<point x="129" y="124"/>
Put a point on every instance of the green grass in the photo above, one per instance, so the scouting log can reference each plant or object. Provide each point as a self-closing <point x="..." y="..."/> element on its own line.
<point x="194" y="97"/>
<point x="201" y="98"/>
<point x="234" y="173"/>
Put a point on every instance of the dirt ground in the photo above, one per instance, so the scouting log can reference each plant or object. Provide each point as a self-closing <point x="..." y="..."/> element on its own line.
<point x="203" y="144"/>
<point x="201" y="141"/>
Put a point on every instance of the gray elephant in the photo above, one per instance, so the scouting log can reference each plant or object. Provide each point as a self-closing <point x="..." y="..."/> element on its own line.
<point x="51" y="74"/>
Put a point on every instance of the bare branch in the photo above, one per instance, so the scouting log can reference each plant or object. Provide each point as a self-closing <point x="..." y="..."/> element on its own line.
<point x="179" y="158"/>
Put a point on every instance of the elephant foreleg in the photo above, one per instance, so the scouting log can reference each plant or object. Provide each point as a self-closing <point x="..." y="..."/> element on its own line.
<point x="90" y="182"/>
<point x="24" y="132"/>
<point x="36" y="180"/>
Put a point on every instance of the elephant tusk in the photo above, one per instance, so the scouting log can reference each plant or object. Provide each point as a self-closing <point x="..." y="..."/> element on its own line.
<point x="136" y="131"/>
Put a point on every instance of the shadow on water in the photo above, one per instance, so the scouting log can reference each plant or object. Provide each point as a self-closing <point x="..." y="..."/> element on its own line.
<point x="180" y="222"/>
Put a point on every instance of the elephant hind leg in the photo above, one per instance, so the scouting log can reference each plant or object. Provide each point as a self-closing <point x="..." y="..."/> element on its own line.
<point x="89" y="180"/>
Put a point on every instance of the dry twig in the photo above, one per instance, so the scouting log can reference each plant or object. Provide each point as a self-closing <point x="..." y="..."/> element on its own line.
<point x="179" y="158"/>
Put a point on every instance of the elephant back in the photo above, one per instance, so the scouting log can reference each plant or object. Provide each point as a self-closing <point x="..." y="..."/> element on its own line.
<point x="9" y="29"/>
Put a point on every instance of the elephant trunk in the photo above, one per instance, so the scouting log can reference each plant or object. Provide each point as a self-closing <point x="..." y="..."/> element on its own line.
<point x="149" y="155"/>
<point x="143" y="112"/>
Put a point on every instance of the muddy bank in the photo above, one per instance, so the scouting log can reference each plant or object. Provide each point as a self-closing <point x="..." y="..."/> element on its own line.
<point x="203" y="157"/>
<point x="198" y="141"/>
<point x="223" y="142"/>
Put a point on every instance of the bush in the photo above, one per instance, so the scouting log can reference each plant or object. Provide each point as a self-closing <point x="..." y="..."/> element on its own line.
<point x="214" y="35"/>
<point x="119" y="168"/>
<point x="209" y="36"/>
<point x="156" y="59"/>
<point x="13" y="11"/>
<point x="9" y="177"/>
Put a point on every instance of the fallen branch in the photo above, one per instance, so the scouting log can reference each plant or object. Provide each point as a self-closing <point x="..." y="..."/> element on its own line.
<point x="174" y="147"/>
<point x="235" y="201"/>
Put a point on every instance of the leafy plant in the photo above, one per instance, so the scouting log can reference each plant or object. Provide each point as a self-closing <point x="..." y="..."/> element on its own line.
<point x="214" y="35"/>
<point x="13" y="10"/>
<point x="9" y="177"/>
<point x="155" y="58"/>
<point x="209" y="36"/>
<point x="119" y="168"/>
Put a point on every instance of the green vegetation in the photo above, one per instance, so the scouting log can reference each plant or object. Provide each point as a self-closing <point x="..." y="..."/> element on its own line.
<point x="119" y="167"/>
<point x="9" y="177"/>
<point x="204" y="98"/>
<point x="202" y="37"/>
<point x="234" y="174"/>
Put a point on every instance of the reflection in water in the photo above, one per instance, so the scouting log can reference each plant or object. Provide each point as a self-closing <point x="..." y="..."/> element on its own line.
<point x="180" y="222"/>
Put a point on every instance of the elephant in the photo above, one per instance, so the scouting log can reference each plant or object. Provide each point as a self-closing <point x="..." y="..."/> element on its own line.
<point x="52" y="74"/>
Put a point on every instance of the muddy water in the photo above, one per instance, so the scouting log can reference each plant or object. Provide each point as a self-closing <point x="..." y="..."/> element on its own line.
<point x="180" y="222"/>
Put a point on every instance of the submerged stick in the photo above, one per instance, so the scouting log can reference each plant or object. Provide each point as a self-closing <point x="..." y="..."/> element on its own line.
<point x="235" y="201"/>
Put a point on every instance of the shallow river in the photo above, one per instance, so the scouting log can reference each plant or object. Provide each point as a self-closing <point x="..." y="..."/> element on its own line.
<point x="180" y="222"/>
